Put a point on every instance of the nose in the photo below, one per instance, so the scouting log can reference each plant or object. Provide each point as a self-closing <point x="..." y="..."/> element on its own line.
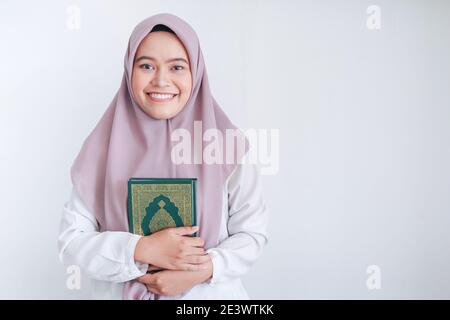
<point x="160" y="79"/>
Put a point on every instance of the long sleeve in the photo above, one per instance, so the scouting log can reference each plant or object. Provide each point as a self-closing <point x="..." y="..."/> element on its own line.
<point x="107" y="256"/>
<point x="247" y="224"/>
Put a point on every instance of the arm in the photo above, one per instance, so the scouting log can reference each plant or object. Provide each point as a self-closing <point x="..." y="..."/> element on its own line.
<point x="107" y="256"/>
<point x="247" y="223"/>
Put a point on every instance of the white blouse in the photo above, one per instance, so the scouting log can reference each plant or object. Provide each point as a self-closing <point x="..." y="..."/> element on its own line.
<point x="107" y="258"/>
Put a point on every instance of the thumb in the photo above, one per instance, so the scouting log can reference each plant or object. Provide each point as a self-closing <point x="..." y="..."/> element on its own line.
<point x="147" y="279"/>
<point x="186" y="230"/>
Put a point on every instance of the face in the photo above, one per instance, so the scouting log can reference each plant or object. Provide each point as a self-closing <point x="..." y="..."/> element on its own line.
<point x="161" y="80"/>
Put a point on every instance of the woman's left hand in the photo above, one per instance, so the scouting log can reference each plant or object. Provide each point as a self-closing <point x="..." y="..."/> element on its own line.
<point x="173" y="282"/>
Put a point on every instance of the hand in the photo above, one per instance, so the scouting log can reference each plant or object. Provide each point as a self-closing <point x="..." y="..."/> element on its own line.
<point x="173" y="282"/>
<point x="171" y="249"/>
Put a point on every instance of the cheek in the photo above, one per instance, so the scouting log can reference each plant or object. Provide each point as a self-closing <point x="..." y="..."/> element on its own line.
<point x="186" y="86"/>
<point x="138" y="82"/>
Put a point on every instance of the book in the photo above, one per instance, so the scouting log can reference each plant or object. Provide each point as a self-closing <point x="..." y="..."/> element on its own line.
<point x="158" y="203"/>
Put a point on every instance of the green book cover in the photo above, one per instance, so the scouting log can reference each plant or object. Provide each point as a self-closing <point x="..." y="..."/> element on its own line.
<point x="158" y="203"/>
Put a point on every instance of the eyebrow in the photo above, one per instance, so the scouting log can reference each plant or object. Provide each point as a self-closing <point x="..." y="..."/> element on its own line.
<point x="170" y="60"/>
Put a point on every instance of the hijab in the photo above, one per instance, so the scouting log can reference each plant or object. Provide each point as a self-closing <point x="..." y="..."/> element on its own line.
<point x="127" y="142"/>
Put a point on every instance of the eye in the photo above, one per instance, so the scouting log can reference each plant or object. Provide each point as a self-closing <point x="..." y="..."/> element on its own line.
<point x="145" y="66"/>
<point x="181" y="68"/>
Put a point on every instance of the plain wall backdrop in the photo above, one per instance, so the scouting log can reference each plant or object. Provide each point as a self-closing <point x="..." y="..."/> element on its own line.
<point x="363" y="116"/>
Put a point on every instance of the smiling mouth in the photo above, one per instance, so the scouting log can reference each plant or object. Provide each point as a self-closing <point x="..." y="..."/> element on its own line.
<point x="161" y="98"/>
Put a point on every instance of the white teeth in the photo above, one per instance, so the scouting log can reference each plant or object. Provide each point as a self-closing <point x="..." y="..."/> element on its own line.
<point x="162" y="96"/>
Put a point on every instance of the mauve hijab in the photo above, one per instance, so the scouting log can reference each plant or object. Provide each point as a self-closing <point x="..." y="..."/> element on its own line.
<point x="127" y="142"/>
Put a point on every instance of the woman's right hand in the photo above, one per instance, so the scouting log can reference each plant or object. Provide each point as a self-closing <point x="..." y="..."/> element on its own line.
<point x="172" y="249"/>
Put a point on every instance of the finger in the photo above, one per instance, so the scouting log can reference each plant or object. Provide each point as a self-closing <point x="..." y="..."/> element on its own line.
<point x="148" y="278"/>
<point x="194" y="267"/>
<point x="186" y="230"/>
<point x="197" y="259"/>
<point x="196" y="242"/>
<point x="153" y="289"/>
<point x="194" y="251"/>
<point x="143" y="279"/>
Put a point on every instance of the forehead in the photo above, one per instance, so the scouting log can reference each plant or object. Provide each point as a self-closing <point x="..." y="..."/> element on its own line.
<point x="162" y="45"/>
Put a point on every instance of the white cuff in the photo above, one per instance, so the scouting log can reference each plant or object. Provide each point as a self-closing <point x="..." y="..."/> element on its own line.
<point x="134" y="268"/>
<point x="218" y="266"/>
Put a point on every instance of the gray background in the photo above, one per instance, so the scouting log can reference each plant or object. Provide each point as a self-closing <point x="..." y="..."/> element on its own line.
<point x="363" y="116"/>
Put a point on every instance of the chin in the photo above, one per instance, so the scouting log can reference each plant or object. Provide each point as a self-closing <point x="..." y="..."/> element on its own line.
<point x="160" y="114"/>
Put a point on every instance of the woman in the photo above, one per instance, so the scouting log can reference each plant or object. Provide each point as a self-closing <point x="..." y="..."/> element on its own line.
<point x="164" y="89"/>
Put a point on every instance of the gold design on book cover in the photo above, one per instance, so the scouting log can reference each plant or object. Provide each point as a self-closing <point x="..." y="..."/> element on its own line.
<point x="179" y="196"/>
